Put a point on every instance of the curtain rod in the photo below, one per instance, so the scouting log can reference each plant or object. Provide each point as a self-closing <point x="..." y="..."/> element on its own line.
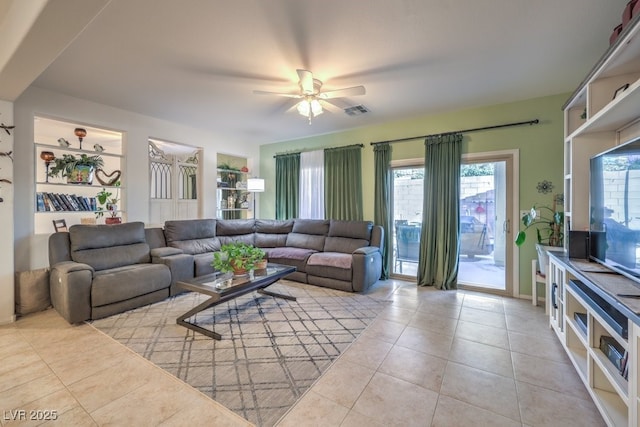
<point x="391" y="141"/>
<point x="317" y="149"/>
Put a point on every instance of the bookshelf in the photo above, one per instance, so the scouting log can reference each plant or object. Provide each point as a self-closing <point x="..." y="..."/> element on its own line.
<point x="56" y="197"/>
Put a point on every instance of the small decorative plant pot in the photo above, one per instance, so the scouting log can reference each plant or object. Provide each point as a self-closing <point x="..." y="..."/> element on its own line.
<point x="239" y="272"/>
<point x="113" y="220"/>
<point x="81" y="175"/>
<point x="260" y="265"/>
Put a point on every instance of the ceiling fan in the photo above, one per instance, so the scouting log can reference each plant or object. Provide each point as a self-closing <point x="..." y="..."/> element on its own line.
<point x="311" y="95"/>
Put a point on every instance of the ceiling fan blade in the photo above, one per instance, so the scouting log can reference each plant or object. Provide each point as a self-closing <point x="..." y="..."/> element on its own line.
<point x="330" y="107"/>
<point x="288" y="95"/>
<point x="338" y="93"/>
<point x="306" y="81"/>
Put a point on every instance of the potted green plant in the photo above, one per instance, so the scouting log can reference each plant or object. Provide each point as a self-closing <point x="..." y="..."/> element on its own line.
<point x="77" y="170"/>
<point x="237" y="257"/>
<point x="549" y="225"/>
<point x="108" y="202"/>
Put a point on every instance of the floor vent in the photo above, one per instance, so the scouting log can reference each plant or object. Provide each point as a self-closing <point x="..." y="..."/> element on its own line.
<point x="356" y="110"/>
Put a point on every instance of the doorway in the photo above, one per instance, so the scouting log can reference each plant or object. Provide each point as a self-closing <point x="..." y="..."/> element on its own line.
<point x="487" y="197"/>
<point x="486" y="188"/>
<point x="173" y="181"/>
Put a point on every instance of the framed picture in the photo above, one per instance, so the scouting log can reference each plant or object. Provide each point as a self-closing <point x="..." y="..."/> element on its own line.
<point x="620" y="90"/>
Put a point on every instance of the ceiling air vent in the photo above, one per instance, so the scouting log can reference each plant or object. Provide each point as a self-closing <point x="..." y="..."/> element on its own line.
<point x="356" y="110"/>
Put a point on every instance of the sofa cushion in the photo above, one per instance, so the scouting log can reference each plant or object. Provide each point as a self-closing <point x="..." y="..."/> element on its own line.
<point x="343" y="244"/>
<point x="192" y="236"/>
<point x="295" y="257"/>
<point x="352" y="229"/>
<point x="267" y="240"/>
<point x="191" y="229"/>
<point x="305" y="241"/>
<point x="123" y="283"/>
<point x="330" y="264"/>
<point x="109" y="246"/>
<point x="274" y="226"/>
<point x="331" y="259"/>
<point x="203" y="264"/>
<point x="272" y="233"/>
<point x="249" y="239"/>
<point x="234" y="227"/>
<point x="197" y="246"/>
<point x="311" y="226"/>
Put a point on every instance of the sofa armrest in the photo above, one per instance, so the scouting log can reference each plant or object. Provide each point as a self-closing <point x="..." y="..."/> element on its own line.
<point x="367" y="267"/>
<point x="70" y="284"/>
<point x="181" y="266"/>
<point x="165" y="251"/>
<point x="367" y="250"/>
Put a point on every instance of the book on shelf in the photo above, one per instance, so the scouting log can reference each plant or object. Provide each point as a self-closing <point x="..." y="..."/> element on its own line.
<point x="54" y="202"/>
<point x="82" y="202"/>
<point x="40" y="202"/>
<point x="68" y="202"/>
<point x="75" y="202"/>
<point x="48" y="205"/>
<point x="613" y="350"/>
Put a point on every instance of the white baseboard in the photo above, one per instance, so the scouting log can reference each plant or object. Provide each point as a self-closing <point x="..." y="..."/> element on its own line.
<point x="8" y="320"/>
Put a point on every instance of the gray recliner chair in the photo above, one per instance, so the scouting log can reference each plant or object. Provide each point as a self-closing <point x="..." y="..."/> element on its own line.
<point x="100" y="270"/>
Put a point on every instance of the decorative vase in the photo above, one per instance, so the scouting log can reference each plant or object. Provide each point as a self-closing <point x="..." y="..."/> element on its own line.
<point x="81" y="175"/>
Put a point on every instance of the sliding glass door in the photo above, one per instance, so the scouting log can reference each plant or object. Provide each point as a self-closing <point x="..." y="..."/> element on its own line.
<point x="484" y="224"/>
<point x="486" y="188"/>
<point x="408" y="183"/>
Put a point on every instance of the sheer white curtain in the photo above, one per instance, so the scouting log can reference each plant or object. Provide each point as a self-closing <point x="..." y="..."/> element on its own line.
<point x="312" y="184"/>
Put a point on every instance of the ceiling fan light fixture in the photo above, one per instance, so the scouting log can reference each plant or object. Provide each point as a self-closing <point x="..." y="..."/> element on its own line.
<point x="304" y="108"/>
<point x="310" y="108"/>
<point x="316" y="108"/>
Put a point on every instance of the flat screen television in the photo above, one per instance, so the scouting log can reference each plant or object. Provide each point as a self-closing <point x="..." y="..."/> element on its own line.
<point x="614" y="232"/>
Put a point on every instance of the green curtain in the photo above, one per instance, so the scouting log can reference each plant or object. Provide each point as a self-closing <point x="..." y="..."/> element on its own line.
<point x="382" y="200"/>
<point x="439" y="239"/>
<point x="287" y="185"/>
<point x="343" y="183"/>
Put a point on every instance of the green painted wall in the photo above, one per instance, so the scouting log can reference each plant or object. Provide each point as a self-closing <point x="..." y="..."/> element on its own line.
<point x="540" y="147"/>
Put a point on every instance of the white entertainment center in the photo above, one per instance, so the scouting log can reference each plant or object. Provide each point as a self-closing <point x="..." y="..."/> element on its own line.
<point x="584" y="300"/>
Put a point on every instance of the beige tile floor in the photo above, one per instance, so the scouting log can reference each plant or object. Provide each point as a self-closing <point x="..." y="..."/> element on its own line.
<point x="432" y="358"/>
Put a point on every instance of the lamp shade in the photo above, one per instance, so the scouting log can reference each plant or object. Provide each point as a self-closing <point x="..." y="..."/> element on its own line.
<point x="255" y="185"/>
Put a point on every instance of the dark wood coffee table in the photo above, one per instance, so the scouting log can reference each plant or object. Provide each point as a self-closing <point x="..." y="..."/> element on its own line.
<point x="223" y="287"/>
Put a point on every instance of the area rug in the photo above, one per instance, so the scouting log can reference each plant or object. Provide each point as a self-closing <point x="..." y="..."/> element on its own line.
<point x="272" y="349"/>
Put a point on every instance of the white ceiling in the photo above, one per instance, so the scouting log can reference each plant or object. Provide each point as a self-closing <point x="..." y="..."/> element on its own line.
<point x="197" y="62"/>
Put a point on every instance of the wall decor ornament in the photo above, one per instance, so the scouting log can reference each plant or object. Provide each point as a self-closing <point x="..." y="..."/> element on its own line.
<point x="6" y="128"/>
<point x="107" y="178"/>
<point x="7" y="154"/>
<point x="545" y="187"/>
<point x="80" y="133"/>
<point x="48" y="157"/>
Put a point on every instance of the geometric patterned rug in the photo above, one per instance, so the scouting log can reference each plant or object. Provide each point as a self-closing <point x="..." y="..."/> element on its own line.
<point x="272" y="349"/>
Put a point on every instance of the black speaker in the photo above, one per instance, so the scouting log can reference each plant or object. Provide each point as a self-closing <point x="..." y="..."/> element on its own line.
<point x="579" y="244"/>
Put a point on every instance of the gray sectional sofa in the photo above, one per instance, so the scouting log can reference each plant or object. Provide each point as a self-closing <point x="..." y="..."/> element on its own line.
<point x="100" y="270"/>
